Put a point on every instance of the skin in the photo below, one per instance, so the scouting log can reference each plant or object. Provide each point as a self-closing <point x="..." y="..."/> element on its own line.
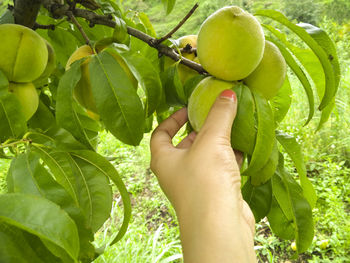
<point x="201" y="178"/>
<point x="24" y="53"/>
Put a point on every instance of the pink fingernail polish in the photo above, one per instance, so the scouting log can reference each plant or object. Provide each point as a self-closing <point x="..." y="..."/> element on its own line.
<point x="228" y="94"/>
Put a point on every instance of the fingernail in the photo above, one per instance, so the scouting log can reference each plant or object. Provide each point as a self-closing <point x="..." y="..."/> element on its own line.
<point x="228" y="94"/>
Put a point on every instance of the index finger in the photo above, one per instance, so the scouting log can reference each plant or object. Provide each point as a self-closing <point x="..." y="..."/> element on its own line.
<point x="163" y="134"/>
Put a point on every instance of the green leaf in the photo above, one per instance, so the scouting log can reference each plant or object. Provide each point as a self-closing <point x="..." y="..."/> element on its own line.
<point x="13" y="123"/>
<point x="55" y="137"/>
<point x="190" y="85"/>
<point x="282" y="101"/>
<point x="328" y="46"/>
<point x="168" y="5"/>
<point x="28" y="176"/>
<point x="295" y="207"/>
<point x="326" y="113"/>
<point x="258" y="198"/>
<point x="322" y="38"/>
<point x="265" y="137"/>
<point x="101" y="166"/>
<point x="63" y="42"/>
<point x="330" y="88"/>
<point x="66" y="115"/>
<point x="148" y="78"/>
<point x="86" y="184"/>
<point x="298" y="72"/>
<point x="269" y="168"/>
<point x="292" y="147"/>
<point x="173" y="89"/>
<point x="281" y="225"/>
<point x="7" y="17"/>
<point x="116" y="99"/>
<point x="147" y="23"/>
<point x="43" y="118"/>
<point x="14" y="247"/>
<point x="243" y="129"/>
<point x="42" y="218"/>
<point x="120" y="34"/>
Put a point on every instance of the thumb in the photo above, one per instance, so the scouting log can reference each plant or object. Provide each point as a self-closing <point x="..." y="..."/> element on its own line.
<point x="220" y="117"/>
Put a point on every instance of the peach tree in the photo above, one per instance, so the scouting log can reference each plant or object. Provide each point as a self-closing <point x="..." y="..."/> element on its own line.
<point x="59" y="188"/>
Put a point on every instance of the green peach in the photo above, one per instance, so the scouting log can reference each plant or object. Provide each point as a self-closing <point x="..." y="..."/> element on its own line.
<point x="27" y="96"/>
<point x="269" y="76"/>
<point x="24" y="53"/>
<point x="185" y="72"/>
<point x="203" y="97"/>
<point x="51" y="63"/>
<point x="230" y="43"/>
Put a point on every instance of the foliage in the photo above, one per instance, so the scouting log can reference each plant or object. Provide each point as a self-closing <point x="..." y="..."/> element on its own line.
<point x="56" y="175"/>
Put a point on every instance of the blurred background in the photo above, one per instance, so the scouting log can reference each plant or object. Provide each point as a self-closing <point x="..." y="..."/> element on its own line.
<point x="153" y="234"/>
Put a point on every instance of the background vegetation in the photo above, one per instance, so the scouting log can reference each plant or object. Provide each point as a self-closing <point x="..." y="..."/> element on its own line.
<point x="153" y="234"/>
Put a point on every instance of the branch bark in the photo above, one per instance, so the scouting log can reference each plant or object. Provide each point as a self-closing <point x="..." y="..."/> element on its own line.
<point x="26" y="11"/>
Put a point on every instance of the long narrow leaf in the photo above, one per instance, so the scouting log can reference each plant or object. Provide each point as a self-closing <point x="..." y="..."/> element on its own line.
<point x="243" y="129"/>
<point x="293" y="149"/>
<point x="148" y="78"/>
<point x="101" y="165"/>
<point x="295" y="207"/>
<point x="299" y="73"/>
<point x="42" y="218"/>
<point x="258" y="198"/>
<point x="265" y="137"/>
<point x="282" y="101"/>
<point x="330" y="88"/>
<point x="29" y="176"/>
<point x="66" y="115"/>
<point x="116" y="99"/>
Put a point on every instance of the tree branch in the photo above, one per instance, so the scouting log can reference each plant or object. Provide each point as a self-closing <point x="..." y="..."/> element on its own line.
<point x="58" y="11"/>
<point x="26" y="11"/>
<point x="39" y="26"/>
<point x="160" y="40"/>
<point x="75" y="22"/>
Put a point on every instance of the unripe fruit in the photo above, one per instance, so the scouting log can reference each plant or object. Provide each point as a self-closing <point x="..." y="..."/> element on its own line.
<point x="83" y="92"/>
<point x="269" y="76"/>
<point x="23" y="53"/>
<point x="203" y="97"/>
<point x="27" y="96"/>
<point x="185" y="72"/>
<point x="230" y="43"/>
<point x="51" y="63"/>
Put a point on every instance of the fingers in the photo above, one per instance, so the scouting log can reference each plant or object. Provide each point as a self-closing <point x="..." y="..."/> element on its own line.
<point x="187" y="142"/>
<point x="162" y="135"/>
<point x="220" y="118"/>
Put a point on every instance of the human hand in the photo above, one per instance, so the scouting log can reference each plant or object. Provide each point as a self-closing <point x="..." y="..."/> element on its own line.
<point x="201" y="178"/>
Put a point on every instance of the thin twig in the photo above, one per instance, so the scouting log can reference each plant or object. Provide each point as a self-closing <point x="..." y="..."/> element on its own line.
<point x="160" y="40"/>
<point x="75" y="22"/>
<point x="14" y="143"/>
<point x="39" y="26"/>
